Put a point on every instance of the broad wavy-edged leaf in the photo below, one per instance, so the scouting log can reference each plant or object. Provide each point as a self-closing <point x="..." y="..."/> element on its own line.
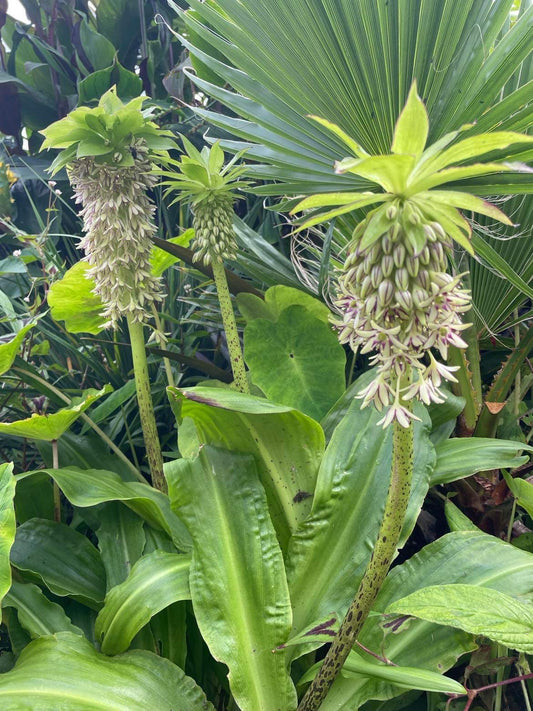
<point x="38" y="615"/>
<point x="252" y="425"/>
<point x="238" y="585"/>
<point x="465" y="557"/>
<point x="156" y="581"/>
<point x="64" y="559"/>
<point x="328" y="554"/>
<point x="463" y="456"/>
<point x="89" y="487"/>
<point x="476" y="610"/>
<point x="51" y="427"/>
<point x="7" y="525"/>
<point x="64" y="671"/>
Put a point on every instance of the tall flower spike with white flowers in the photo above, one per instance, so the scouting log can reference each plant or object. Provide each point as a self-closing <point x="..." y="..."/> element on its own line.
<point x="399" y="302"/>
<point x="395" y="298"/>
<point x="118" y="224"/>
<point x="108" y="152"/>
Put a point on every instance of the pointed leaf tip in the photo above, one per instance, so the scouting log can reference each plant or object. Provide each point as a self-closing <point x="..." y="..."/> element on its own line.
<point x="412" y="127"/>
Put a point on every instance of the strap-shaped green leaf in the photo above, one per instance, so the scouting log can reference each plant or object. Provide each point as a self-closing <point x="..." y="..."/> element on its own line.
<point x="156" y="581"/>
<point x="89" y="487"/>
<point x="65" y="560"/>
<point x="238" y="585"/>
<point x="463" y="456"/>
<point x="38" y="615"/>
<point x="329" y="552"/>
<point x="252" y="425"/>
<point x="457" y="558"/>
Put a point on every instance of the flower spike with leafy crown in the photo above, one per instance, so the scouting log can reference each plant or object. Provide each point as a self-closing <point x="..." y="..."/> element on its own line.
<point x="395" y="297"/>
<point x="108" y="153"/>
<point x="208" y="185"/>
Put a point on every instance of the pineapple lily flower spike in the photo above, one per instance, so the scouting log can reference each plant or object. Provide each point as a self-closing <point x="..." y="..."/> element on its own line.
<point x="108" y="152"/>
<point x="202" y="179"/>
<point x="395" y="297"/>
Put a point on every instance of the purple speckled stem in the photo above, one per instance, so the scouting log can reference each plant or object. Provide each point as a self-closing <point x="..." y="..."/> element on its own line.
<point x="378" y="567"/>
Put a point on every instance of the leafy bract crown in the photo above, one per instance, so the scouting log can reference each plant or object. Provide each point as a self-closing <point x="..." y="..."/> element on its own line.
<point x="106" y="132"/>
<point x="202" y="175"/>
<point x="409" y="176"/>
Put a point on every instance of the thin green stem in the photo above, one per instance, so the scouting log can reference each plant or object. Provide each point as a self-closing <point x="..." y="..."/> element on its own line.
<point x="230" y="327"/>
<point x="382" y="556"/>
<point x="88" y="420"/>
<point x="146" y="407"/>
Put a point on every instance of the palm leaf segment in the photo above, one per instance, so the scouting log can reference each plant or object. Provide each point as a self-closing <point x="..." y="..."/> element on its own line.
<point x="395" y="297"/>
<point x="202" y="179"/>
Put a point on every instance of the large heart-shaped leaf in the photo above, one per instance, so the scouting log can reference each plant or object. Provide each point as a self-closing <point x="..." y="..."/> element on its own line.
<point x="296" y="360"/>
<point x="72" y="300"/>
<point x="276" y="300"/>
<point x="286" y="444"/>
<point x="64" y="671"/>
<point x="238" y="585"/>
<point x="156" y="581"/>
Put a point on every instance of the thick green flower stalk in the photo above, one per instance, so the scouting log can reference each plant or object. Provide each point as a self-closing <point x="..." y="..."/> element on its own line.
<point x="108" y="152"/>
<point x="397" y="301"/>
<point x="207" y="184"/>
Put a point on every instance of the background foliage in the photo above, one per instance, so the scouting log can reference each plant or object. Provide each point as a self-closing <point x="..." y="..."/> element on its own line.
<point x="180" y="599"/>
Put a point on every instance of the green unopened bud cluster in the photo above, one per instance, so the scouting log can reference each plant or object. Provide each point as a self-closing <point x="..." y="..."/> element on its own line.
<point x="214" y="237"/>
<point x="396" y="299"/>
<point x="118" y="224"/>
